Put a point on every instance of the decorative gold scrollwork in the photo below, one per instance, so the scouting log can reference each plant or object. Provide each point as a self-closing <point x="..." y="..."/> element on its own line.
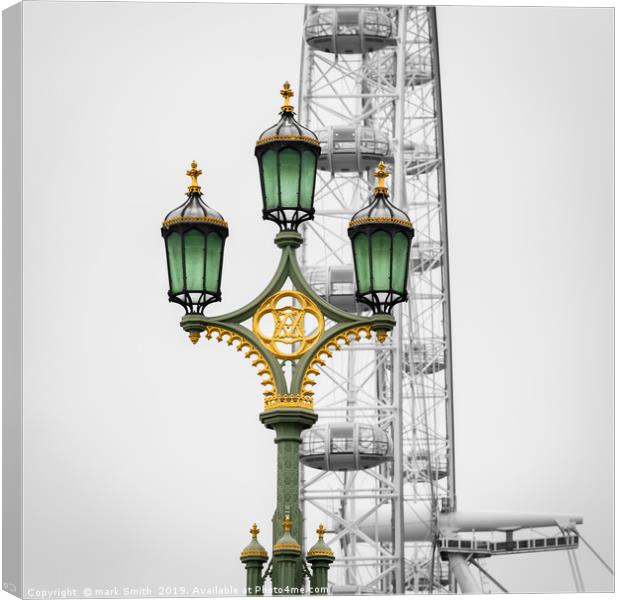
<point x="289" y="324"/>
<point x="289" y="401"/>
<point x="326" y="351"/>
<point x="250" y="351"/>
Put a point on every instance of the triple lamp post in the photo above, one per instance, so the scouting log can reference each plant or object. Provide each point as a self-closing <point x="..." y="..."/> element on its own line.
<point x="287" y="325"/>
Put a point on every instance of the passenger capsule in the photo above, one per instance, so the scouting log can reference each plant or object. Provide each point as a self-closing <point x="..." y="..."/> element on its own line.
<point x="425" y="256"/>
<point x="420" y="158"/>
<point x="336" y="285"/>
<point x="351" y="148"/>
<point x="438" y="465"/>
<point x="347" y="30"/>
<point x="427" y="357"/>
<point x="345" y="446"/>
<point x="417" y="71"/>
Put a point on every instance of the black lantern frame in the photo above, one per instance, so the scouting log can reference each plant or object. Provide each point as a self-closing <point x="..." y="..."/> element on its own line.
<point x="194" y="236"/>
<point x="381" y="237"/>
<point x="287" y="155"/>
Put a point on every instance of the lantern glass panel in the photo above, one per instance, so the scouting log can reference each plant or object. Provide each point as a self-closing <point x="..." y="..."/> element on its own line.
<point x="214" y="258"/>
<point x="308" y="173"/>
<point x="194" y="244"/>
<point x="362" y="263"/>
<point x="399" y="262"/>
<point x="289" y="177"/>
<point x="270" y="178"/>
<point x="381" y="254"/>
<point x="175" y="262"/>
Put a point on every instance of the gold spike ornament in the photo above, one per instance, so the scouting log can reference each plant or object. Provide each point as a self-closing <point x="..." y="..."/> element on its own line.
<point x="287" y="93"/>
<point x="287" y="522"/>
<point x="381" y="173"/>
<point x="194" y="172"/>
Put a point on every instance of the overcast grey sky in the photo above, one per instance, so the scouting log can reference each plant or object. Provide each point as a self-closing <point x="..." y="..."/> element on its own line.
<point x="144" y="459"/>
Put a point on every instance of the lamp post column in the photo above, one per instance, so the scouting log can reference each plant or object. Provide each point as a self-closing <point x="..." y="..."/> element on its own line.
<point x="288" y="424"/>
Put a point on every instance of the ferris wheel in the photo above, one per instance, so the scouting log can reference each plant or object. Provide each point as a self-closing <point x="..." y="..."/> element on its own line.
<point x="379" y="465"/>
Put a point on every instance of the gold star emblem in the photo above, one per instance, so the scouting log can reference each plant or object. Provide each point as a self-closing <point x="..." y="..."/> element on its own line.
<point x="288" y="323"/>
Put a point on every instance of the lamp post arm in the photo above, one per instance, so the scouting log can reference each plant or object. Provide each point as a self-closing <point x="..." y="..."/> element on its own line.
<point x="247" y="311"/>
<point x="347" y="325"/>
<point x="330" y="311"/>
<point x="337" y="336"/>
<point x="271" y="370"/>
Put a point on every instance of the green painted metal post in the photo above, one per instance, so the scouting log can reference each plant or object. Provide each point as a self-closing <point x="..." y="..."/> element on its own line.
<point x="254" y="556"/>
<point x="320" y="570"/>
<point x="320" y="556"/>
<point x="254" y="582"/>
<point x="288" y="424"/>
<point x="286" y="562"/>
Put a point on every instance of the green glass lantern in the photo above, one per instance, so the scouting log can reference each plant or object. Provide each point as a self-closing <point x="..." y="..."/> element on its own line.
<point x="381" y="239"/>
<point x="287" y="157"/>
<point x="194" y="235"/>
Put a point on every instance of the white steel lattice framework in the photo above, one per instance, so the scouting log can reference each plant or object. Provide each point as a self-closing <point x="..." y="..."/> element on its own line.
<point x="370" y="88"/>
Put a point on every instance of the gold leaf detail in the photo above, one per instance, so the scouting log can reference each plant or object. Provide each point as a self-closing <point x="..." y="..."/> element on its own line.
<point x="326" y="350"/>
<point x="288" y="138"/>
<point x="290" y="401"/>
<point x="240" y="343"/>
<point x="397" y="221"/>
<point x="213" y="220"/>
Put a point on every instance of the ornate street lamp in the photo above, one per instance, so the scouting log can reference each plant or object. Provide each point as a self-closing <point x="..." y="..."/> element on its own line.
<point x="287" y="326"/>
<point x="287" y="155"/>
<point x="194" y="235"/>
<point x="381" y="239"/>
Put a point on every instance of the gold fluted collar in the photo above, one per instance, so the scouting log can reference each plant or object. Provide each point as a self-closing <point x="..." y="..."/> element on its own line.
<point x="381" y="173"/>
<point x="194" y="172"/>
<point x="287" y="93"/>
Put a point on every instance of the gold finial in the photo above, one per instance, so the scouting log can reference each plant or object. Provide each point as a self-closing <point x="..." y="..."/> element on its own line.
<point x="381" y="336"/>
<point x="321" y="531"/>
<point x="254" y="531"/>
<point x="381" y="173"/>
<point x="194" y="172"/>
<point x="194" y="336"/>
<point x="287" y="93"/>
<point x="287" y="522"/>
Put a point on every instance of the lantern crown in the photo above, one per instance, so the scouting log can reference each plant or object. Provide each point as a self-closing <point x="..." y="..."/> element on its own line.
<point x="380" y="209"/>
<point x="194" y="210"/>
<point x="287" y="128"/>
